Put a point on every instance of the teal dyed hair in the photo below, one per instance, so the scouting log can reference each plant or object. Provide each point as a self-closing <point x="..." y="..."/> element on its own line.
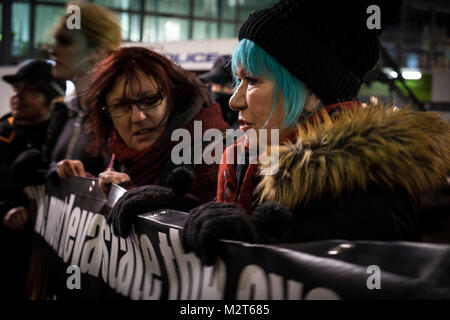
<point x="258" y="63"/>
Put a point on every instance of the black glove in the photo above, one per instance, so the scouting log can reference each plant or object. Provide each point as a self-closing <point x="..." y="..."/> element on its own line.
<point x="150" y="198"/>
<point x="28" y="168"/>
<point x="273" y="222"/>
<point x="212" y="221"/>
<point x="209" y="223"/>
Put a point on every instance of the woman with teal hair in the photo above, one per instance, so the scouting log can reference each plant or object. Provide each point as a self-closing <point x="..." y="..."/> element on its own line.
<point x="343" y="171"/>
<point x="337" y="170"/>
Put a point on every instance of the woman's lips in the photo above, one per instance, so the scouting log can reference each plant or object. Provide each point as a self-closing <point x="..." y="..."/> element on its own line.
<point x="142" y="135"/>
<point x="244" y="125"/>
<point x="142" y="132"/>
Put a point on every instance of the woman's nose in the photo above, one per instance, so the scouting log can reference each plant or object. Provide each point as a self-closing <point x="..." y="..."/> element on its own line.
<point x="238" y="101"/>
<point x="51" y="50"/>
<point x="137" y="115"/>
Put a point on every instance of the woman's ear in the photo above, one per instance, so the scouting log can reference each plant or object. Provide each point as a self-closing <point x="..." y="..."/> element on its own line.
<point x="311" y="101"/>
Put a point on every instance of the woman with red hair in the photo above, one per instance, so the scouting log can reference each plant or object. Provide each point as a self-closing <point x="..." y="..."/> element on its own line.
<point x="138" y="98"/>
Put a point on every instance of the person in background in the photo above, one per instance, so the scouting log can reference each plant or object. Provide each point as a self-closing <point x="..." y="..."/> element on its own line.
<point x="343" y="171"/>
<point x="23" y="134"/>
<point x="220" y="78"/>
<point x="25" y="130"/>
<point x="138" y="99"/>
<point x="75" y="53"/>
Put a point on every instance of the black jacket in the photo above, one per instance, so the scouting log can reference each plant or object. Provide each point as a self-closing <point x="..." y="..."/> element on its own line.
<point x="21" y="149"/>
<point x="15" y="139"/>
<point x="361" y="175"/>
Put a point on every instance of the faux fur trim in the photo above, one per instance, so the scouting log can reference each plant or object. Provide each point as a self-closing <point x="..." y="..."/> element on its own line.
<point x="385" y="146"/>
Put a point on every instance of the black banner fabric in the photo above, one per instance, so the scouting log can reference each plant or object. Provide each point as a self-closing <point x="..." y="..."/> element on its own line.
<point x="77" y="256"/>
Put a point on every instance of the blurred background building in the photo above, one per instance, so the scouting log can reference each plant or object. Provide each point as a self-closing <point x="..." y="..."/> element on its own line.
<point x="26" y="25"/>
<point x="415" y="64"/>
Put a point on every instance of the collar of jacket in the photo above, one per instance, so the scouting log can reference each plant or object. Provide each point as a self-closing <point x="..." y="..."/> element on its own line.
<point x="378" y="145"/>
<point x="333" y="110"/>
<point x="10" y="129"/>
<point x="7" y="132"/>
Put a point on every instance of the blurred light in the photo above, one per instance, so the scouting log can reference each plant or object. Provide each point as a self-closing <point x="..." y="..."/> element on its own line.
<point x="407" y="74"/>
<point x="391" y="73"/>
<point x="333" y="252"/>
<point x="411" y="75"/>
<point x="412" y="60"/>
<point x="373" y="100"/>
<point x="172" y="31"/>
<point x="70" y="87"/>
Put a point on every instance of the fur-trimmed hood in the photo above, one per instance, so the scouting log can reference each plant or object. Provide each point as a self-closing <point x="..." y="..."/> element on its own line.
<point x="383" y="146"/>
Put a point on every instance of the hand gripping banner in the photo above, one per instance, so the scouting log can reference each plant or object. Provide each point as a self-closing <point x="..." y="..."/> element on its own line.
<point x="77" y="256"/>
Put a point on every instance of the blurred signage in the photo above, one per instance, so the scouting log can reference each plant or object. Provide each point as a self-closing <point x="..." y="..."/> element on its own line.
<point x="195" y="55"/>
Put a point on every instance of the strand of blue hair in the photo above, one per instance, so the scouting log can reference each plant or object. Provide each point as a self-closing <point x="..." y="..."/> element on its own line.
<point x="258" y="63"/>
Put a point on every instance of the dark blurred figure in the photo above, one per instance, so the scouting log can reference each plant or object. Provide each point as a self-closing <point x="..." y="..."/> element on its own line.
<point x="23" y="134"/>
<point x="75" y="53"/>
<point x="221" y="80"/>
<point x="435" y="214"/>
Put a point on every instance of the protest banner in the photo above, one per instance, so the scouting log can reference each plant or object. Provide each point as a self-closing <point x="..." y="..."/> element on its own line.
<point x="76" y="255"/>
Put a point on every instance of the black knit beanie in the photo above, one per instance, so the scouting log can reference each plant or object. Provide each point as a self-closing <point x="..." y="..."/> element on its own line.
<point x="328" y="46"/>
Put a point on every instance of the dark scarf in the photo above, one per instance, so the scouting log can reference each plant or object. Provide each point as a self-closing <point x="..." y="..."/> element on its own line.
<point x="236" y="182"/>
<point x="130" y="160"/>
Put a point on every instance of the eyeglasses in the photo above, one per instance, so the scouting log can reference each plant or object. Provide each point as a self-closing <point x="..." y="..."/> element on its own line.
<point x="144" y="104"/>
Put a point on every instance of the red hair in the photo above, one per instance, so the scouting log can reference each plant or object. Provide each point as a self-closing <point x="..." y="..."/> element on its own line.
<point x="179" y="86"/>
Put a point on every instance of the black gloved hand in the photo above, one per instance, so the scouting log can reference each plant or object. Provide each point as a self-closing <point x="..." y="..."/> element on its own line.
<point x="210" y="222"/>
<point x="273" y="222"/>
<point x="28" y="168"/>
<point x="150" y="198"/>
